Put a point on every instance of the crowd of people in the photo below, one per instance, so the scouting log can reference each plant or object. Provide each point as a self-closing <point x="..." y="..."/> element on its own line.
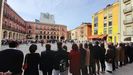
<point x="83" y="59"/>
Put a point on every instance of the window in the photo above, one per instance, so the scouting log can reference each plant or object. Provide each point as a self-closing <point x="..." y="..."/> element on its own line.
<point x="105" y="17"/>
<point x="105" y="31"/>
<point x="95" y="31"/>
<point x="110" y="30"/>
<point x="110" y="23"/>
<point x="105" y="24"/>
<point x="95" y="25"/>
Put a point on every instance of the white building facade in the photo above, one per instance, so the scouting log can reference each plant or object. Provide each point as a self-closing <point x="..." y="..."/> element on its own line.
<point x="126" y="20"/>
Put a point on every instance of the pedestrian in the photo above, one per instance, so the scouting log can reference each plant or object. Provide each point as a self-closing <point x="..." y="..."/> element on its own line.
<point x="11" y="59"/>
<point x="92" y="66"/>
<point x="102" y="57"/>
<point x="32" y="61"/>
<point x="109" y="58"/>
<point x="87" y="58"/>
<point x="47" y="59"/>
<point x="97" y="52"/>
<point x="60" y="60"/>
<point x="121" y="54"/>
<point x="83" y="59"/>
<point x="74" y="57"/>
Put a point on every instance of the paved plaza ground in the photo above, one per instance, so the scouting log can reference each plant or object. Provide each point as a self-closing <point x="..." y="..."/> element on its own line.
<point x="125" y="70"/>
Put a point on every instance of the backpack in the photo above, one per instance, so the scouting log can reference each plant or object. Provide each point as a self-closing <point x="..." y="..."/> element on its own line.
<point x="63" y="65"/>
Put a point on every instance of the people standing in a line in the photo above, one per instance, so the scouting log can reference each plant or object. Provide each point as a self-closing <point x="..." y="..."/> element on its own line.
<point x="102" y="57"/>
<point x="109" y="58"/>
<point x="114" y="56"/>
<point x="47" y="59"/>
<point x="83" y="59"/>
<point x="11" y="59"/>
<point x="67" y="64"/>
<point x="60" y="60"/>
<point x="97" y="53"/>
<point x="121" y="54"/>
<point x="92" y="66"/>
<point x="75" y="58"/>
<point x="32" y="61"/>
<point x="87" y="58"/>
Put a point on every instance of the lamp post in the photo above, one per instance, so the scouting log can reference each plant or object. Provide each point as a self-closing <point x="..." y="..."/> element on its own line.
<point x="1" y="17"/>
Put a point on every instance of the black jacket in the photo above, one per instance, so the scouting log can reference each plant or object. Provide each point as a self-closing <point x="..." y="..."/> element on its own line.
<point x="11" y="59"/>
<point x="60" y="55"/>
<point x="47" y="60"/>
<point x="32" y="60"/>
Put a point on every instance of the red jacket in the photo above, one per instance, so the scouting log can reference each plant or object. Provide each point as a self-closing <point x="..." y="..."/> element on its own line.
<point x="74" y="61"/>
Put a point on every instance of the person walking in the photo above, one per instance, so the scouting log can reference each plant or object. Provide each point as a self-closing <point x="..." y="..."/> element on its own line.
<point x="32" y="61"/>
<point x="11" y="59"/>
<point x="75" y="59"/>
<point x="47" y="59"/>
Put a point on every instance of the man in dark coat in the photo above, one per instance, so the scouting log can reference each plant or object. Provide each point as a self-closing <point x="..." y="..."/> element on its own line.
<point x="83" y="60"/>
<point x="60" y="55"/>
<point x="11" y="59"/>
<point x="47" y="59"/>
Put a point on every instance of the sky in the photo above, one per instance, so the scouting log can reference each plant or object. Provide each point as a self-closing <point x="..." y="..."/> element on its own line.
<point x="67" y="12"/>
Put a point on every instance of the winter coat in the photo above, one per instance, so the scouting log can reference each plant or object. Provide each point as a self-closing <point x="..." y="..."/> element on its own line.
<point x="74" y="57"/>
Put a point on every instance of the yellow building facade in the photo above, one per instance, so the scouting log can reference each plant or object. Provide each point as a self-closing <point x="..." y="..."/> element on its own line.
<point x="106" y="21"/>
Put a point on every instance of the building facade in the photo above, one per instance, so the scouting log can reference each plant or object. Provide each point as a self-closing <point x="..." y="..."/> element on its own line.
<point x="126" y="20"/>
<point x="13" y="26"/>
<point x="16" y="28"/>
<point x="46" y="31"/>
<point x="106" y="21"/>
<point x="82" y="32"/>
<point x="47" y="18"/>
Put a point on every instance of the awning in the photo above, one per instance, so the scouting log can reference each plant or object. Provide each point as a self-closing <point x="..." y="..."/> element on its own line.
<point x="94" y="37"/>
<point x="103" y="36"/>
<point x="98" y="36"/>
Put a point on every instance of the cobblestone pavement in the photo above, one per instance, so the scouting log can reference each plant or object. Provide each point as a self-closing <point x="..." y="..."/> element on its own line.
<point x="125" y="70"/>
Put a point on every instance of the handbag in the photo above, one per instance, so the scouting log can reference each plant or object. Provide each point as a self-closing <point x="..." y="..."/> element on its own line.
<point x="25" y="66"/>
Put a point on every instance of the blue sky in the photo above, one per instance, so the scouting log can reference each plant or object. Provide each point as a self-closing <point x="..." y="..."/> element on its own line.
<point x="68" y="12"/>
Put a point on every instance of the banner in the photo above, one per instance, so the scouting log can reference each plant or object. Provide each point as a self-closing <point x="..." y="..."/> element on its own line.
<point x="1" y="17"/>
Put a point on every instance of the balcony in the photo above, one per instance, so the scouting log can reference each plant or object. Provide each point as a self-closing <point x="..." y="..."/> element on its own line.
<point x="128" y="21"/>
<point x="128" y="9"/>
<point x="126" y="1"/>
<point x="125" y="33"/>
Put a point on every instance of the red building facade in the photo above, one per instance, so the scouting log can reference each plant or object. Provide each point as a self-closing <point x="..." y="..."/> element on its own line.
<point x="16" y="28"/>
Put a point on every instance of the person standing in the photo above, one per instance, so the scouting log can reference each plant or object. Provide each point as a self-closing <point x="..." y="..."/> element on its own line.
<point x="47" y="59"/>
<point x="60" y="60"/>
<point x="102" y="57"/>
<point x="83" y="59"/>
<point x="97" y="53"/>
<point x="74" y="58"/>
<point x="11" y="59"/>
<point x="87" y="58"/>
<point x="32" y="61"/>
<point x="92" y="66"/>
<point x="121" y="54"/>
<point x="109" y="58"/>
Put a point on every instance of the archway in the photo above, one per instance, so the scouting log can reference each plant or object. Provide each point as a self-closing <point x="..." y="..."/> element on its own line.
<point x="10" y="35"/>
<point x="36" y="37"/>
<point x="4" y="34"/>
